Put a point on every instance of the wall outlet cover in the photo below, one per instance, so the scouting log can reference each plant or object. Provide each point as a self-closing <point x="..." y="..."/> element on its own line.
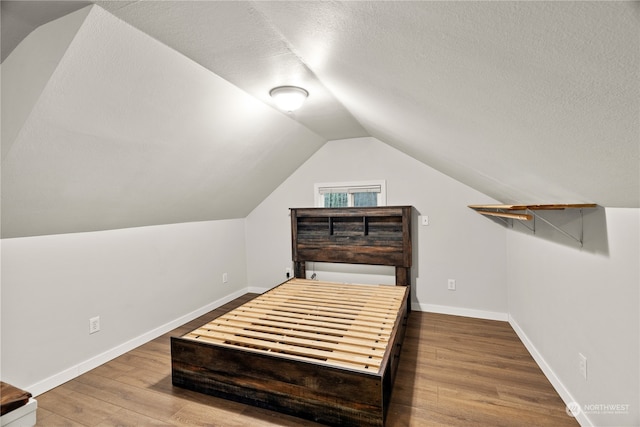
<point x="94" y="325"/>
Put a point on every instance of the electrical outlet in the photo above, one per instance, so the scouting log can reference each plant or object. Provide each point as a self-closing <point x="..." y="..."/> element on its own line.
<point x="451" y="284"/>
<point x="289" y="273"/>
<point x="225" y="277"/>
<point x="582" y="365"/>
<point x="425" y="219"/>
<point x="94" y="325"/>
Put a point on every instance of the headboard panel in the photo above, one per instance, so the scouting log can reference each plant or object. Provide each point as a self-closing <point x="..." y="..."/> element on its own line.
<point x="373" y="235"/>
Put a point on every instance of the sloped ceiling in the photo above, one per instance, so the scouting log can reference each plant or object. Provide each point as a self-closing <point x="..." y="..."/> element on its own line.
<point x="528" y="102"/>
<point x="127" y="132"/>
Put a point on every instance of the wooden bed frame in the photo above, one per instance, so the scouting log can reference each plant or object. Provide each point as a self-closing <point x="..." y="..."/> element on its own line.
<point x="322" y="351"/>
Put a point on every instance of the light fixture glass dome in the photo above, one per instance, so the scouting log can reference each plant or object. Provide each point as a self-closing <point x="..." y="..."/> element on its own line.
<point x="288" y="98"/>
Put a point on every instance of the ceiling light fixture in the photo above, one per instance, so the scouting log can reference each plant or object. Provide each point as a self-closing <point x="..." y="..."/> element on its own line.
<point x="288" y="98"/>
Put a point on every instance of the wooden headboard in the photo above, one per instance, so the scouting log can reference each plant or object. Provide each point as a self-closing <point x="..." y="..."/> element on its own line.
<point x="374" y="235"/>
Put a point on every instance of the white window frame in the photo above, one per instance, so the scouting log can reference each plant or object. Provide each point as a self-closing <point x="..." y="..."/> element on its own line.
<point x="351" y="187"/>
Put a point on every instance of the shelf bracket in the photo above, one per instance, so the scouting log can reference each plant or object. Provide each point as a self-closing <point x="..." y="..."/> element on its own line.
<point x="514" y="212"/>
<point x="533" y="227"/>
<point x="579" y="239"/>
<point x="503" y="219"/>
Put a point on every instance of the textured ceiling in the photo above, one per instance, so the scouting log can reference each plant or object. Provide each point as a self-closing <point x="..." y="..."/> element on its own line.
<point x="111" y="129"/>
<point x="528" y="102"/>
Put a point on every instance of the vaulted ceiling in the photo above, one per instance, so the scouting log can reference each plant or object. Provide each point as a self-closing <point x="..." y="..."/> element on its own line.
<point x="134" y="113"/>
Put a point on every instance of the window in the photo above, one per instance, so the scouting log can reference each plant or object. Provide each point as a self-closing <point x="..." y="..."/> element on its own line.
<point x="351" y="194"/>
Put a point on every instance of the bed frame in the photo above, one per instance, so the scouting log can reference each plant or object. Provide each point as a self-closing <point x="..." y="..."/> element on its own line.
<point x="307" y="348"/>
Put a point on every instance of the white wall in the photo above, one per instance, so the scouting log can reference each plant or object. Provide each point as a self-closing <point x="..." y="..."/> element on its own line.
<point x="565" y="300"/>
<point x="142" y="282"/>
<point x="458" y="243"/>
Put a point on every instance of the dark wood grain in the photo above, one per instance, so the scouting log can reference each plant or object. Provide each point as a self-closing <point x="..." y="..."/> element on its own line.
<point x="375" y="235"/>
<point x="12" y="397"/>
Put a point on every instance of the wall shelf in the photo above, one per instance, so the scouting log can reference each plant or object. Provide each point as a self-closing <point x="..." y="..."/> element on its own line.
<point x="507" y="213"/>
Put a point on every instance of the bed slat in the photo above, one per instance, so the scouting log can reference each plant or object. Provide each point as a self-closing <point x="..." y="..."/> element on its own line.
<point x="322" y="343"/>
<point x="330" y="312"/>
<point x="311" y="333"/>
<point x="310" y="325"/>
<point x="319" y="329"/>
<point x="259" y="344"/>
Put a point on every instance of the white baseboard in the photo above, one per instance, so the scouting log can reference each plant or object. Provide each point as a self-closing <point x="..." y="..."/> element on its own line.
<point x="458" y="311"/>
<point x="95" y="361"/>
<point x="564" y="393"/>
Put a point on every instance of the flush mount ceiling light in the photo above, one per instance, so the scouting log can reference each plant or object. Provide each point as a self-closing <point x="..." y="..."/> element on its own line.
<point x="288" y="98"/>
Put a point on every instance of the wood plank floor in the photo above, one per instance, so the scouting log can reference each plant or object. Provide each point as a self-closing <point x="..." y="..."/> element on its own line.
<point x="453" y="371"/>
